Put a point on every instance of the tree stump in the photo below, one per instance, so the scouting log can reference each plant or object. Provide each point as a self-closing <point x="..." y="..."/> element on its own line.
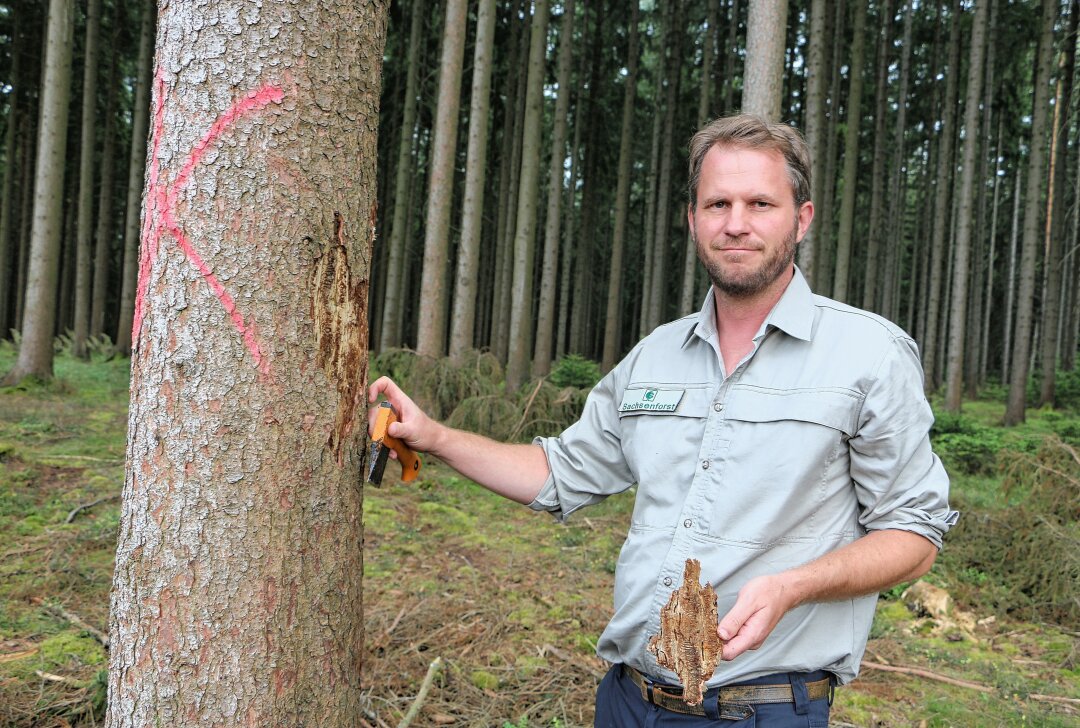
<point x="688" y="643"/>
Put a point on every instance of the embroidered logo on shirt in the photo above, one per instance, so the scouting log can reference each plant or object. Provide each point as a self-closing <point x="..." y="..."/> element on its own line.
<point x="651" y="400"/>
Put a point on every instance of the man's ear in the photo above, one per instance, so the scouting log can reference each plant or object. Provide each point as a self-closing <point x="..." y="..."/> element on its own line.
<point x="804" y="217"/>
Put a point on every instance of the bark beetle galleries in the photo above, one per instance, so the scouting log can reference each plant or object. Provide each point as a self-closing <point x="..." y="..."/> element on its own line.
<point x="688" y="642"/>
<point x="339" y="312"/>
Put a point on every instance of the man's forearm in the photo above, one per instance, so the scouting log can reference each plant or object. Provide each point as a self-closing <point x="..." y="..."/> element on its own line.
<point x="515" y="471"/>
<point x="875" y="562"/>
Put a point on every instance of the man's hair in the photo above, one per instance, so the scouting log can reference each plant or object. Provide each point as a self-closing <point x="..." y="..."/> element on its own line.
<point x="748" y="131"/>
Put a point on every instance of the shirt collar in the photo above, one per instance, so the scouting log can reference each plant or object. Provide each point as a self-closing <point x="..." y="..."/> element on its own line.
<point x="793" y="313"/>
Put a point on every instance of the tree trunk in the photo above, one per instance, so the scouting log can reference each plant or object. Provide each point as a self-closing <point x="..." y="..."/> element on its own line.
<point x="815" y="128"/>
<point x="958" y="311"/>
<point x="1016" y="405"/>
<point x="658" y="296"/>
<point x="645" y="324"/>
<point x="136" y="168"/>
<point x="9" y="249"/>
<point x="83" y="239"/>
<point x="825" y="208"/>
<point x="612" y="320"/>
<point x="896" y="200"/>
<point x="105" y="207"/>
<point x="525" y="230"/>
<point x="1055" y="213"/>
<point x="942" y="204"/>
<point x="879" y="173"/>
<point x="36" y="350"/>
<point x="237" y="593"/>
<point x="392" y="313"/>
<point x="26" y="215"/>
<point x="730" y="103"/>
<point x="851" y="156"/>
<point x="1010" y="288"/>
<point x="763" y="73"/>
<point x="566" y="260"/>
<point x="431" y="329"/>
<point x="984" y="352"/>
<point x="463" y="319"/>
<point x="545" y="317"/>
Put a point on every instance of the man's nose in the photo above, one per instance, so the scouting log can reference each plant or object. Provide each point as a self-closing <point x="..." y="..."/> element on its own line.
<point x="736" y="222"/>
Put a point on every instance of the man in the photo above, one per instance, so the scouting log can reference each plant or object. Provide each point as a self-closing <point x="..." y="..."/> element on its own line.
<point x="778" y="437"/>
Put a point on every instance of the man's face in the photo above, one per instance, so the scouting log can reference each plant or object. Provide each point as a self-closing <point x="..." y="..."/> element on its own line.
<point x="746" y="224"/>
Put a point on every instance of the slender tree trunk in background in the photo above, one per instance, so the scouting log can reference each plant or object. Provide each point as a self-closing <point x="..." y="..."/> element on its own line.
<point x="566" y="260"/>
<point x="1016" y="405"/>
<point x="825" y="208"/>
<point x="851" y="156"/>
<point x="730" y="104"/>
<point x="879" y="173"/>
<point x="896" y="200"/>
<point x="136" y="167"/>
<point x="86" y="182"/>
<point x="431" y="329"/>
<point x="984" y="353"/>
<point x="525" y="230"/>
<point x="9" y="248"/>
<point x="815" y="130"/>
<point x="1010" y="288"/>
<point x="659" y="297"/>
<point x="36" y="350"/>
<point x="655" y="163"/>
<point x="763" y="75"/>
<point x="942" y="205"/>
<point x="690" y="259"/>
<point x="106" y="195"/>
<point x="1055" y="213"/>
<point x="237" y="593"/>
<point x="66" y="282"/>
<point x="463" y="319"/>
<point x="545" y="317"/>
<point x="26" y="216"/>
<point x="612" y="322"/>
<point x="392" y="314"/>
<point x="958" y="311"/>
<point x="1068" y="359"/>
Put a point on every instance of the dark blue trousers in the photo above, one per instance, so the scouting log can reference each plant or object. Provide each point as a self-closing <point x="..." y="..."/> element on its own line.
<point x="619" y="705"/>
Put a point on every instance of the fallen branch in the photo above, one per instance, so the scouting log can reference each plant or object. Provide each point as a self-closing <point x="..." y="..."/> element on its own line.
<point x="57" y="678"/>
<point x="421" y="696"/>
<point x="58" y="611"/>
<point x="1054" y="699"/>
<point x="87" y="506"/>
<point x="930" y="676"/>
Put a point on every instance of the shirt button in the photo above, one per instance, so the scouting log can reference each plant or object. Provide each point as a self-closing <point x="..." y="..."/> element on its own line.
<point x="718" y="406"/>
<point x="688" y="523"/>
<point x="667" y="581"/>
<point x="704" y="464"/>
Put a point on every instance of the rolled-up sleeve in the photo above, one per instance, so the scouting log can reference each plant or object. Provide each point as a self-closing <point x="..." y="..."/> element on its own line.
<point x="586" y="460"/>
<point x="900" y="483"/>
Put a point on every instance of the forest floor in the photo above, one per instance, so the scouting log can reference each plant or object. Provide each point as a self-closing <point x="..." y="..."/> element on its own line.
<point x="511" y="601"/>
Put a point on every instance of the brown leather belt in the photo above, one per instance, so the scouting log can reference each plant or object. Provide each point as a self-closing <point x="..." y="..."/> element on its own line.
<point x="743" y="695"/>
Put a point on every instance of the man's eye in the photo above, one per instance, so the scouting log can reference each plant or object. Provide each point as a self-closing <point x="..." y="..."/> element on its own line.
<point x="760" y="204"/>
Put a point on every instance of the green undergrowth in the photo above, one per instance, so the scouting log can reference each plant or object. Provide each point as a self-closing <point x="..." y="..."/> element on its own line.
<point x="507" y="595"/>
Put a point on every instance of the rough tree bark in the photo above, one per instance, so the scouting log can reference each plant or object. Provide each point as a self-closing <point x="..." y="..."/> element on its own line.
<point x="8" y="241"/>
<point x="431" y="329"/>
<point x="815" y="128"/>
<point x="878" y="173"/>
<point x="958" y="308"/>
<point x="36" y="351"/>
<point x="1016" y="404"/>
<point x="136" y="167"/>
<point x="237" y="595"/>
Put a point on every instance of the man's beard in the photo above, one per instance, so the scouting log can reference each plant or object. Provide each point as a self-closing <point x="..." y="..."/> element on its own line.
<point x="749" y="284"/>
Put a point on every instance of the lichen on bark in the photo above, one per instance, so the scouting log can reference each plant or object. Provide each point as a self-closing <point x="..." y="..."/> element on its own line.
<point x="688" y="642"/>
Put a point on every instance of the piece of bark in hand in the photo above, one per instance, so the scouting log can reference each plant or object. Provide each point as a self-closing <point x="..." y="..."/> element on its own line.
<point x="688" y="643"/>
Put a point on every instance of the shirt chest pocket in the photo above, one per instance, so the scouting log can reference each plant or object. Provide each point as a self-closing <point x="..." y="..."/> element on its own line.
<point x="785" y="463"/>
<point x="661" y="443"/>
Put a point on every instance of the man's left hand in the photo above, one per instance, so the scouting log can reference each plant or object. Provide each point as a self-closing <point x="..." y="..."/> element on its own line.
<point x="761" y="603"/>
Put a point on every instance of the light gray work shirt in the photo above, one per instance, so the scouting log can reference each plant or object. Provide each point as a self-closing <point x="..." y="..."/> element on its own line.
<point x="819" y="435"/>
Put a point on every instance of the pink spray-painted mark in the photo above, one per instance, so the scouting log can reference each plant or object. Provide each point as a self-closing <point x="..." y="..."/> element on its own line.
<point x="161" y="207"/>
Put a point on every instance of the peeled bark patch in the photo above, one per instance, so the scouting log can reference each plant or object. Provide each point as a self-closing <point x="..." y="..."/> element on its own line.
<point x="339" y="310"/>
<point x="688" y="643"/>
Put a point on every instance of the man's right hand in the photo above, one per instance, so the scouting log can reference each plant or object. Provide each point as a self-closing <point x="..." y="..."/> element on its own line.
<point x="514" y="471"/>
<point x="413" y="426"/>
